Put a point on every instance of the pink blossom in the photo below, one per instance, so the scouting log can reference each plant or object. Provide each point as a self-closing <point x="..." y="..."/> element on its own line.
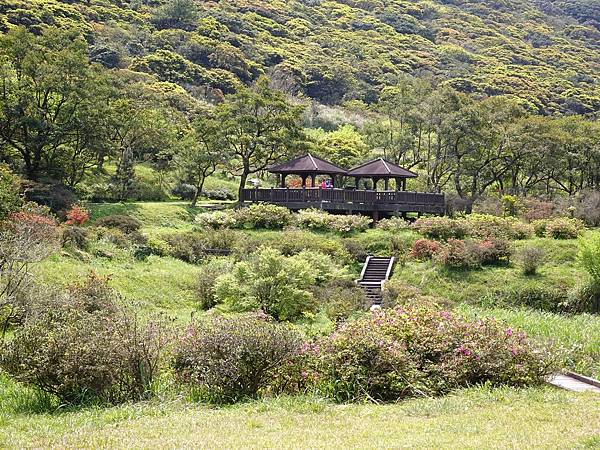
<point x="509" y="332"/>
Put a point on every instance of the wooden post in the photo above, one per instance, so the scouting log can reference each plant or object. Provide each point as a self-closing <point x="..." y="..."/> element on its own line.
<point x="404" y="184"/>
<point x="356" y="181"/>
<point x="386" y="184"/>
<point x="283" y="180"/>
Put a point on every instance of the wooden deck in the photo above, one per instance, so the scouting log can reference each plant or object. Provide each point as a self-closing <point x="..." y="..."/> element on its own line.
<point x="349" y="201"/>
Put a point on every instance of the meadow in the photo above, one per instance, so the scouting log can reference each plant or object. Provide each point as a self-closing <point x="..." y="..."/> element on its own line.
<point x="477" y="417"/>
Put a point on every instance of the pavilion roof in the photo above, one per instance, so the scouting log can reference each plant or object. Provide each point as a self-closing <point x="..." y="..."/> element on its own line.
<point x="307" y="164"/>
<point x="381" y="168"/>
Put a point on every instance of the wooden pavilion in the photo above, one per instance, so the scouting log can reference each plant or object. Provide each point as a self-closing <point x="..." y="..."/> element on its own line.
<point x="307" y="166"/>
<point x="381" y="169"/>
<point x="349" y="201"/>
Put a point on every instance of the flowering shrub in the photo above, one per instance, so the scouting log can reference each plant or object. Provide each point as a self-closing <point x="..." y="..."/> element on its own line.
<point x="83" y="345"/>
<point x="313" y="219"/>
<point x="469" y="254"/>
<point x="321" y="220"/>
<point x="228" y="359"/>
<point x="564" y="228"/>
<point x="485" y="226"/>
<point x="442" y="227"/>
<point x="77" y="215"/>
<point x="535" y="209"/>
<point x="424" y="249"/>
<point x="393" y="224"/>
<point x="410" y="351"/>
<point x="539" y="227"/>
<point x="207" y="277"/>
<point x="263" y="215"/>
<point x="349" y="224"/>
<point x="217" y="219"/>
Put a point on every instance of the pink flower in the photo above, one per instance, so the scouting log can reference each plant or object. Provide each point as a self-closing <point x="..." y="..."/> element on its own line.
<point x="509" y="332"/>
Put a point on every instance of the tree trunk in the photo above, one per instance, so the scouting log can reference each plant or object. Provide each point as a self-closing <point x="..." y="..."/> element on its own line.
<point x="243" y="179"/>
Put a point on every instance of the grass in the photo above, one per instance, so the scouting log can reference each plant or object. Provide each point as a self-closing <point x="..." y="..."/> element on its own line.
<point x="476" y="418"/>
<point x="155" y="284"/>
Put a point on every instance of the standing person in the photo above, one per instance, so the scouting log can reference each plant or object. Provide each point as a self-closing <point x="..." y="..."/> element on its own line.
<point x="323" y="185"/>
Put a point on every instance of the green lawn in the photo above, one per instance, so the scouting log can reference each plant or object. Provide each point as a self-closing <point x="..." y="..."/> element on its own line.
<point x="470" y="419"/>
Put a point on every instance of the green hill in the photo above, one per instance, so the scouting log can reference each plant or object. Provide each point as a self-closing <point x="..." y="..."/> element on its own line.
<point x="546" y="52"/>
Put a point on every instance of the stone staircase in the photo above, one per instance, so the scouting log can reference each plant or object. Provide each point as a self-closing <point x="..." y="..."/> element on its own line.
<point x="376" y="271"/>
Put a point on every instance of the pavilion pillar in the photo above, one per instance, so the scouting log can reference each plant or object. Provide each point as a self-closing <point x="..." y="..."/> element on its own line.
<point x="356" y="182"/>
<point x="398" y="184"/>
<point x="332" y="180"/>
<point x="404" y="184"/>
<point x="282" y="180"/>
<point x="313" y="179"/>
<point x="386" y="184"/>
<point x="375" y="181"/>
<point x="304" y="177"/>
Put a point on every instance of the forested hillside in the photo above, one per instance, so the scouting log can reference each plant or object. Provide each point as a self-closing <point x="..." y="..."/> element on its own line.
<point x="545" y="52"/>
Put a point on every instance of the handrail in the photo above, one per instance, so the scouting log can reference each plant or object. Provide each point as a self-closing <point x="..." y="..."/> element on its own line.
<point x="364" y="269"/>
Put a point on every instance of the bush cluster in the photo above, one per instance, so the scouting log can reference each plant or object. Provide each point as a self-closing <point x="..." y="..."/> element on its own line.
<point x="479" y="226"/>
<point x="443" y="228"/>
<point x="228" y="359"/>
<point x="564" y="228"/>
<point x="412" y="351"/>
<point x="393" y="224"/>
<point x="277" y="217"/>
<point x="423" y="249"/>
<point x="469" y="254"/>
<point x="83" y="345"/>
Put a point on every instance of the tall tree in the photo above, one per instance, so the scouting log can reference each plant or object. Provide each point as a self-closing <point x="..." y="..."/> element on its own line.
<point x="257" y="127"/>
<point x="46" y="83"/>
<point x="199" y="153"/>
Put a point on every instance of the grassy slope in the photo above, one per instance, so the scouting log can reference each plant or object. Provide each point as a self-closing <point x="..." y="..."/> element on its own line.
<point x="474" y="418"/>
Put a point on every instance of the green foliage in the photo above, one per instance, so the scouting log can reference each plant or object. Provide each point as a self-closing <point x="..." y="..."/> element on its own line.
<point x="345" y="146"/>
<point x="531" y="259"/>
<point x="263" y="216"/>
<point x="441" y="227"/>
<point x="589" y="257"/>
<point x="231" y="359"/>
<point x="10" y="192"/>
<point x="276" y="284"/>
<point x="122" y="222"/>
<point x="393" y="224"/>
<point x="321" y="220"/>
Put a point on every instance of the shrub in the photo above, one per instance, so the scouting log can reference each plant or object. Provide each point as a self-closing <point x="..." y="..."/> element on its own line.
<point x="207" y="277"/>
<point x="217" y="219"/>
<point x="356" y="249"/>
<point x="113" y="236"/>
<point x="184" y="191"/>
<point x="83" y="345"/>
<point x="415" y="351"/>
<point x="76" y="237"/>
<point x="493" y="250"/>
<point x="158" y="247"/>
<point x="535" y="209"/>
<point x="219" y="194"/>
<point x="193" y="246"/>
<point x="424" y="249"/>
<point x="589" y="257"/>
<point x="531" y="259"/>
<point x="539" y="296"/>
<point x="10" y="192"/>
<point x="313" y="219"/>
<point x="273" y="283"/>
<point x="485" y="226"/>
<point x="393" y="224"/>
<point x="539" y="227"/>
<point x="564" y="228"/>
<point x="340" y="298"/>
<point x="349" y="224"/>
<point x="263" y="215"/>
<point x="229" y="359"/>
<point x="441" y="227"/>
<point x="459" y="254"/>
<point x="126" y="224"/>
<point x="56" y="196"/>
<point x="77" y="215"/>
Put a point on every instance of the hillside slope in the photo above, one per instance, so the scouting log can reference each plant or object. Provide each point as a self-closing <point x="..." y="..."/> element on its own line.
<point x="547" y="52"/>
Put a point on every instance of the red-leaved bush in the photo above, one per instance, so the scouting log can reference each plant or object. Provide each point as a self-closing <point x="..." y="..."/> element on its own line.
<point x="424" y="249"/>
<point x="77" y="215"/>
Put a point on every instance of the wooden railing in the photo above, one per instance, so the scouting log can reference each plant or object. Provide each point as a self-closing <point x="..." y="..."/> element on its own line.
<point x="312" y="195"/>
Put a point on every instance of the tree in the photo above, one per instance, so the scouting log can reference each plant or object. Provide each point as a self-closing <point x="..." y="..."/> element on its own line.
<point x="199" y="154"/>
<point x="177" y="14"/>
<point x="257" y="128"/>
<point x="47" y="89"/>
<point x="345" y="146"/>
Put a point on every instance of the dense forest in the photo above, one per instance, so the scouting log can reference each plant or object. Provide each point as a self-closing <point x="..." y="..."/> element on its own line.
<point x="498" y="96"/>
